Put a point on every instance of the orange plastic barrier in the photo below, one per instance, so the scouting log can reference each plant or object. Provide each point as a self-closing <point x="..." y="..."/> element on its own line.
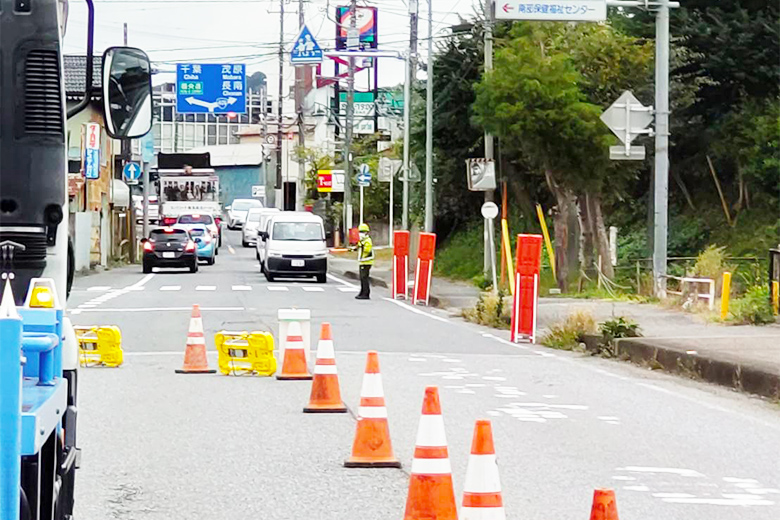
<point x="426" y="252"/>
<point x="400" y="284"/>
<point x="529" y="261"/>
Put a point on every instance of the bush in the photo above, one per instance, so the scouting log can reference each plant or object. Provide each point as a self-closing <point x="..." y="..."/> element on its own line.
<point x="753" y="308"/>
<point x="568" y="334"/>
<point x="492" y="309"/>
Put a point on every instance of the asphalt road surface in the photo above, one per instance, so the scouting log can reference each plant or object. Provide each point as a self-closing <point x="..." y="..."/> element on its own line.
<point x="159" y="445"/>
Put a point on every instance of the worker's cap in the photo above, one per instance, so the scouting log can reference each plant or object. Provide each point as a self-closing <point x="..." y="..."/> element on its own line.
<point x="363" y="228"/>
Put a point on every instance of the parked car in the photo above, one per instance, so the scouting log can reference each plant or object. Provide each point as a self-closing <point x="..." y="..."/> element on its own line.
<point x="255" y="221"/>
<point x="193" y="220"/>
<point x="170" y="247"/>
<point x="295" y="246"/>
<point x="238" y="210"/>
<point x="205" y="243"/>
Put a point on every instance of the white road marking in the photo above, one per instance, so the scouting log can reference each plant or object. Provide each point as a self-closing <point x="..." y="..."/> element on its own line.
<point x="349" y="289"/>
<point x="636" y="488"/>
<point x="140" y="283"/>
<point x="416" y="311"/>
<point x="277" y="288"/>
<point x="170" y="288"/>
<point x="168" y="309"/>
<point x="673" y="471"/>
<point x="313" y="289"/>
<point x="342" y="282"/>
<point x="242" y="288"/>
<point x="206" y="288"/>
<point x="75" y="312"/>
<point x="719" y="501"/>
<point x="99" y="288"/>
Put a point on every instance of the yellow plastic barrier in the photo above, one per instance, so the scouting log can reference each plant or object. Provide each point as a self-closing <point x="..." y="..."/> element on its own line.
<point x="100" y="346"/>
<point x="242" y="353"/>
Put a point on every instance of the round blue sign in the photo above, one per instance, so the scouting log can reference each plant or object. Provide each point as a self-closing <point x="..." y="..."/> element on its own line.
<point x="132" y="171"/>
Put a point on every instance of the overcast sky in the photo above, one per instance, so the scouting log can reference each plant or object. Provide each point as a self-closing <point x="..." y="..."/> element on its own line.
<point x="244" y="31"/>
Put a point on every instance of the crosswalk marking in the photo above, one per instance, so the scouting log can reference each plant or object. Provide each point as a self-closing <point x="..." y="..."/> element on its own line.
<point x="313" y="289"/>
<point x="238" y="288"/>
<point x="170" y="288"/>
<point x="278" y="288"/>
<point x="206" y="288"/>
<point x="242" y="288"/>
<point x="349" y="289"/>
<point x="99" y="288"/>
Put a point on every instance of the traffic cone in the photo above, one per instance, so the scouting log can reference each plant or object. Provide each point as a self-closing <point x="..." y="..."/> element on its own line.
<point x="604" y="505"/>
<point x="325" y="394"/>
<point x="195" y="361"/>
<point x="294" y="366"/>
<point x="482" y="491"/>
<point x="372" y="447"/>
<point x="431" y="495"/>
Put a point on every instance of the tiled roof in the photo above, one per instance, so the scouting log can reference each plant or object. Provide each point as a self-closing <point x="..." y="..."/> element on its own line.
<point x="76" y="75"/>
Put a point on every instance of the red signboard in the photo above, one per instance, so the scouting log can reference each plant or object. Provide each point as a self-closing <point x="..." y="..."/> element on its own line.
<point x="426" y="251"/>
<point x="324" y="182"/>
<point x="529" y="262"/>
<point x="400" y="264"/>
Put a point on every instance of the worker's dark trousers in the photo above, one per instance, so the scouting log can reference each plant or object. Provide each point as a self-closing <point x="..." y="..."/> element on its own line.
<point x="365" y="287"/>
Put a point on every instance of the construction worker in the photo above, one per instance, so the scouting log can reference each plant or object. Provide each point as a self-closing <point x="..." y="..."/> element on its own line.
<point x="365" y="249"/>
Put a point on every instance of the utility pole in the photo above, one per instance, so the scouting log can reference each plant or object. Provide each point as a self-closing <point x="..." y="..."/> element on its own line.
<point x="489" y="152"/>
<point x="300" y="77"/>
<point x="353" y="42"/>
<point x="661" y="192"/>
<point x="429" y="128"/>
<point x="411" y="73"/>
<point x="280" y="97"/>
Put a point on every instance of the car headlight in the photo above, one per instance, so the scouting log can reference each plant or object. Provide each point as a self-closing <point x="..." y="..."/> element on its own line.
<point x="323" y="254"/>
<point x="274" y="254"/>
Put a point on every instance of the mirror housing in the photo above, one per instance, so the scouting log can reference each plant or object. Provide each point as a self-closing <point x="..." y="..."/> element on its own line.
<point x="127" y="92"/>
<point x="198" y="240"/>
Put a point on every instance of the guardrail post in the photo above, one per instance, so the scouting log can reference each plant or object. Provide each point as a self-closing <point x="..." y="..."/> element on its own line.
<point x="10" y="406"/>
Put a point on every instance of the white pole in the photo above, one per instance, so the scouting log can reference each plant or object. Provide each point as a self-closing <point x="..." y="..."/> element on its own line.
<point x="429" y="128"/>
<point x="492" y="253"/>
<point x="390" y="227"/>
<point x="361" y="204"/>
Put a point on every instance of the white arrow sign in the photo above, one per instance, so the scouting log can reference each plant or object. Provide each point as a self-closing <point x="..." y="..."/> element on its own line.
<point x="221" y="103"/>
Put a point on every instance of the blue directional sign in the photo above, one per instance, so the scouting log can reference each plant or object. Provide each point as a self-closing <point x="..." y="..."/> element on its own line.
<point x="305" y="49"/>
<point x="132" y="172"/>
<point x="206" y="88"/>
<point x="92" y="164"/>
<point x="364" y="175"/>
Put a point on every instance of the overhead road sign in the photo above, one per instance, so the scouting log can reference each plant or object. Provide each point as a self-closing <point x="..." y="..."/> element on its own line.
<point x="553" y="10"/>
<point x="628" y="118"/>
<point x="132" y="172"/>
<point x="306" y="50"/>
<point x="207" y="88"/>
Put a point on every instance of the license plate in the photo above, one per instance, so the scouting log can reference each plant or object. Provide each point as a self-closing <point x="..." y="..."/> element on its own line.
<point x="169" y="255"/>
<point x="298" y="263"/>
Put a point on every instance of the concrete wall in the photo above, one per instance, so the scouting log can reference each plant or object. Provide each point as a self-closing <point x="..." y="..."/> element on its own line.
<point x="236" y="182"/>
<point x="82" y="239"/>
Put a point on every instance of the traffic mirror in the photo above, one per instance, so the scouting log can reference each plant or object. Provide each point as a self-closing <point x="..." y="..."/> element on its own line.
<point x="127" y="92"/>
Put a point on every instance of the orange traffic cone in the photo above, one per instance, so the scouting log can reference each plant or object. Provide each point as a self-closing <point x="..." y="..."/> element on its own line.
<point x="294" y="366"/>
<point x="372" y="447"/>
<point x="604" y="505"/>
<point x="325" y="394"/>
<point x="195" y="361"/>
<point x="431" y="495"/>
<point x="482" y="491"/>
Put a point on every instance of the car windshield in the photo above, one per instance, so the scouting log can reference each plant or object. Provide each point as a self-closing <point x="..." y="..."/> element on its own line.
<point x="300" y="231"/>
<point x="245" y="205"/>
<point x="195" y="219"/>
<point x="254" y="216"/>
<point x="170" y="235"/>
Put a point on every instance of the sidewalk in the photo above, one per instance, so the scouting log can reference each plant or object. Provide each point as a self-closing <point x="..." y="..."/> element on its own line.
<point x="745" y="358"/>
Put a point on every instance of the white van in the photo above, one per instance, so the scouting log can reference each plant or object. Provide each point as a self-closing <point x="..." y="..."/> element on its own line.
<point x="293" y="246"/>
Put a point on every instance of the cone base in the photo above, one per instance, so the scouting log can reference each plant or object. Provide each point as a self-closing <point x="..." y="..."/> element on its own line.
<point x="295" y="378"/>
<point x="328" y="409"/>
<point x="381" y="464"/>
<point x="195" y="371"/>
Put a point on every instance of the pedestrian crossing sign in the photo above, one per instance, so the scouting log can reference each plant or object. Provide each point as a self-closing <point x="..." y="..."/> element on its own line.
<point x="305" y="49"/>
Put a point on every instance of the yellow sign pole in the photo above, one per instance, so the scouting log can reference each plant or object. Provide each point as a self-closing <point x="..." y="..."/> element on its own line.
<point x="550" y="250"/>
<point x="725" y="295"/>
<point x="507" y="248"/>
<point x="776" y="297"/>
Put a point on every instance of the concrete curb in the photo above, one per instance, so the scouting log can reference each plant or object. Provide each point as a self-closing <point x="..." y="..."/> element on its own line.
<point x="745" y="378"/>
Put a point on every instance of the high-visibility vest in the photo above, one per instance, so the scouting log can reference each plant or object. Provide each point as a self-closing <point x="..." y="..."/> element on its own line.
<point x="366" y="251"/>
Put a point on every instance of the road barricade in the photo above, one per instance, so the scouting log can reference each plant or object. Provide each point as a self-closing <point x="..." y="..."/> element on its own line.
<point x="100" y="346"/>
<point x="246" y="353"/>
<point x="527" y="271"/>
<point x="426" y="252"/>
